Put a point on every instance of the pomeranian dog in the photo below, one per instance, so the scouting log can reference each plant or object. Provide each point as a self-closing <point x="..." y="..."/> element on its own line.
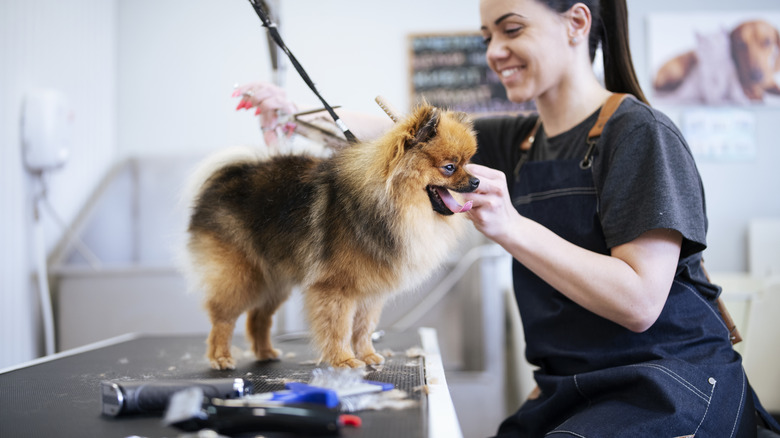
<point x="350" y="229"/>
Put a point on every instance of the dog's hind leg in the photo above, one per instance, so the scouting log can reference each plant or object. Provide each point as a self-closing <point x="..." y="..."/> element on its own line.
<point x="366" y="319"/>
<point x="258" y="325"/>
<point x="231" y="284"/>
<point x="223" y="315"/>
<point x="219" y="341"/>
<point x="331" y="314"/>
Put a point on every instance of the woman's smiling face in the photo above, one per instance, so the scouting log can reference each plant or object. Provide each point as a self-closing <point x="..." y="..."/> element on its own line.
<point x="527" y="46"/>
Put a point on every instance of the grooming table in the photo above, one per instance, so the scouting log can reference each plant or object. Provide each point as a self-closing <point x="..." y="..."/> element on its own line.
<point x="60" y="395"/>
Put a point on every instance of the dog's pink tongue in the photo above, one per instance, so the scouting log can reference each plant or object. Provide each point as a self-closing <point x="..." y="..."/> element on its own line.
<point x="451" y="203"/>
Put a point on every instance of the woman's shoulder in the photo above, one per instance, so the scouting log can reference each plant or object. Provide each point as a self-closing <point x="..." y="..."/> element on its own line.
<point x="635" y="116"/>
<point x="638" y="138"/>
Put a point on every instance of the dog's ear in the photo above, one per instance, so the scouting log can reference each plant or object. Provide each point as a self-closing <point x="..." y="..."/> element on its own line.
<point x="425" y="126"/>
<point x="463" y="118"/>
<point x="418" y="127"/>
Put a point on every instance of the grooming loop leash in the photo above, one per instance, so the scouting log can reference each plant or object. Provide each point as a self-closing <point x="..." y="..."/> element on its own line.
<point x="260" y="8"/>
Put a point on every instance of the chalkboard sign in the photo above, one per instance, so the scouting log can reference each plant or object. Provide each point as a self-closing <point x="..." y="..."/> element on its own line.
<point x="450" y="71"/>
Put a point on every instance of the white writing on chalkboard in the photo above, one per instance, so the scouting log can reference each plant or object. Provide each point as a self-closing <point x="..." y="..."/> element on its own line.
<point x="450" y="71"/>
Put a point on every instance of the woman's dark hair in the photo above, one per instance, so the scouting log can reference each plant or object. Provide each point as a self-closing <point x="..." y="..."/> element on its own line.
<point x="610" y="28"/>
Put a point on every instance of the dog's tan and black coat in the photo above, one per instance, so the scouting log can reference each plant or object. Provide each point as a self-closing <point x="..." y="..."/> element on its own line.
<point x="350" y="229"/>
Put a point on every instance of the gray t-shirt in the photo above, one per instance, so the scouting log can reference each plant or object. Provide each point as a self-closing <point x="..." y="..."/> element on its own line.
<point x="643" y="171"/>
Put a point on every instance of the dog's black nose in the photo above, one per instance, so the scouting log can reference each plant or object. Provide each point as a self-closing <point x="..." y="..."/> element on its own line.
<point x="474" y="182"/>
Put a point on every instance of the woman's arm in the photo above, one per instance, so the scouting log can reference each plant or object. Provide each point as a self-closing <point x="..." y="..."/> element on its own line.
<point x="628" y="287"/>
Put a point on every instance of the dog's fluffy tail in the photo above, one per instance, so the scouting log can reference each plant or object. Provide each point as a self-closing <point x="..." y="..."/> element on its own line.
<point x="192" y="189"/>
<point x="207" y="167"/>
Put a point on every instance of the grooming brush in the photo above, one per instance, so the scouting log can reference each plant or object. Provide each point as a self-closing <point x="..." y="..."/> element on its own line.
<point x="348" y="383"/>
<point x="355" y="393"/>
<point x="328" y="387"/>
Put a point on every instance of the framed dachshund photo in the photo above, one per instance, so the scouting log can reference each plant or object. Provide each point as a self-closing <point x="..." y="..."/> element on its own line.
<point x="717" y="59"/>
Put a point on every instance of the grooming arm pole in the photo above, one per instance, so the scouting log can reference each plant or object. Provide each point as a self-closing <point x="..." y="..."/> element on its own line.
<point x="273" y="31"/>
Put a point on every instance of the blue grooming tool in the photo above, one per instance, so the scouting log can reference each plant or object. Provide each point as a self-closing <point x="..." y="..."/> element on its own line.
<point x="297" y="393"/>
<point x="327" y="387"/>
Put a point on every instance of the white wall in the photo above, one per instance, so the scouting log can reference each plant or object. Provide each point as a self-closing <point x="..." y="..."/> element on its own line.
<point x="69" y="46"/>
<point x="179" y="60"/>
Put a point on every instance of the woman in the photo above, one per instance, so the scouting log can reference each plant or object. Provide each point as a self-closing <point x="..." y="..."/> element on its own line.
<point x="617" y="311"/>
<point x="618" y="314"/>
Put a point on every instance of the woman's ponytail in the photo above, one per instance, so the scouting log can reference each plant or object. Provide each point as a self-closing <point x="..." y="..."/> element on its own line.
<point x="610" y="29"/>
<point x="619" y="74"/>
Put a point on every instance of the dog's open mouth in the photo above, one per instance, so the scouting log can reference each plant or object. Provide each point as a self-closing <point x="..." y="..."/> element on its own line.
<point x="443" y="202"/>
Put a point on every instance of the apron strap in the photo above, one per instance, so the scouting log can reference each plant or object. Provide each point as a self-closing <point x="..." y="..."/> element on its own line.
<point x="609" y="107"/>
<point x="529" y="140"/>
<point x="525" y="146"/>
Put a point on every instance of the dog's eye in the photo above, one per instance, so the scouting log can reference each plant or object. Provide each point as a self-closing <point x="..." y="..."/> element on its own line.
<point x="448" y="169"/>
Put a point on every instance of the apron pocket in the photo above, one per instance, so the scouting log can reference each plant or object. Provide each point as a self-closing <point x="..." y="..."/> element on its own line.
<point x="660" y="399"/>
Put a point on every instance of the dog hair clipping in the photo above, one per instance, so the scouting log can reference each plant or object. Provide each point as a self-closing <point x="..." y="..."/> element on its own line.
<point x="391" y="112"/>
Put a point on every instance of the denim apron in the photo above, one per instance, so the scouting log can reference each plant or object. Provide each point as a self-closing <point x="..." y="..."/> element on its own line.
<point x="680" y="378"/>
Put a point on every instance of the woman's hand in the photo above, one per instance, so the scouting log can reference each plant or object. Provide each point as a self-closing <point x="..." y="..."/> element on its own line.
<point x="492" y="211"/>
<point x="272" y="105"/>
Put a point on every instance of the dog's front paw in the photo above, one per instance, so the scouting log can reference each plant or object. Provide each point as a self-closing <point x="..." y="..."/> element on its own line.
<point x="268" y="354"/>
<point x="349" y="363"/>
<point x="373" y="359"/>
<point x="223" y="363"/>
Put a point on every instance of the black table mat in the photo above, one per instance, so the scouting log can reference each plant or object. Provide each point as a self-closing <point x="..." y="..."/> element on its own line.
<point x="61" y="397"/>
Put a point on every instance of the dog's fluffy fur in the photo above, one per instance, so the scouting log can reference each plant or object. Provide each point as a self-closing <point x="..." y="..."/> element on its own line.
<point x="350" y="229"/>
